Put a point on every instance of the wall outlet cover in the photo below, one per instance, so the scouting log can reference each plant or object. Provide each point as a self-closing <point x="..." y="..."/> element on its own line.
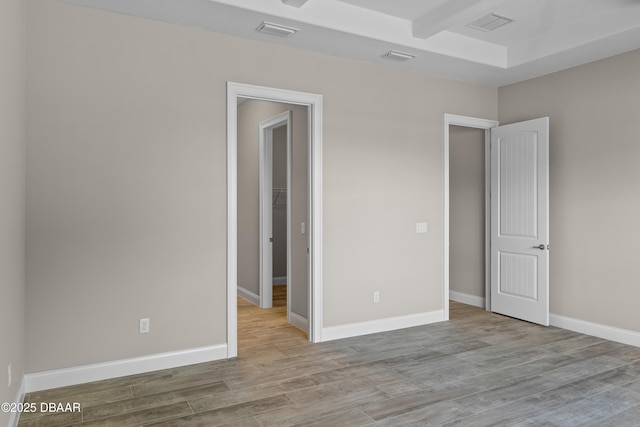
<point x="144" y="326"/>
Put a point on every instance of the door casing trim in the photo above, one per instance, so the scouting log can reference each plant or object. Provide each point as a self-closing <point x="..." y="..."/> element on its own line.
<point x="314" y="104"/>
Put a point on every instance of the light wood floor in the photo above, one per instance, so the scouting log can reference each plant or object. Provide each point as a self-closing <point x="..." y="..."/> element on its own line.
<point x="479" y="369"/>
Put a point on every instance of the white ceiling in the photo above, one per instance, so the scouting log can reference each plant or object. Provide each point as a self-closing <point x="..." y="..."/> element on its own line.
<point x="545" y="35"/>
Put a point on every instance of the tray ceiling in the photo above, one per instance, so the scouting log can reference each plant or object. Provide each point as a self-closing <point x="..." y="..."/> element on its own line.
<point x="538" y="37"/>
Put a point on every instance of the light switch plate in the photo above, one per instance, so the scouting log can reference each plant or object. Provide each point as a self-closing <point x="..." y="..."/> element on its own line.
<point x="421" y="227"/>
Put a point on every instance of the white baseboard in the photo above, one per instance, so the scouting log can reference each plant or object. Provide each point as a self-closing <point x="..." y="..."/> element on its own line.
<point x="281" y="280"/>
<point x="299" y="322"/>
<point x="467" y="299"/>
<point x="249" y="296"/>
<point x="597" y="330"/>
<point x="381" y="325"/>
<point x="120" y="368"/>
<point x="14" y="417"/>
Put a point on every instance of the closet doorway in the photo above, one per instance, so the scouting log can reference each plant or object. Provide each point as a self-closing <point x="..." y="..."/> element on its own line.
<point x="275" y="135"/>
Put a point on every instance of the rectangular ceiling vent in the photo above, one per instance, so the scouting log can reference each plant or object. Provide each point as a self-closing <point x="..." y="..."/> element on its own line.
<point x="397" y="55"/>
<point x="489" y="22"/>
<point x="276" y="29"/>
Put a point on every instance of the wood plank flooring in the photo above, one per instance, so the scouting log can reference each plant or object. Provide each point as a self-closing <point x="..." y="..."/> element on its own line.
<point x="478" y="369"/>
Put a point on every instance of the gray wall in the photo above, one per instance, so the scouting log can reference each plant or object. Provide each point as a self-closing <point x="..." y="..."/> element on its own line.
<point x="12" y="170"/>
<point x="126" y="185"/>
<point x="250" y="114"/>
<point x="594" y="179"/>
<point x="466" y="211"/>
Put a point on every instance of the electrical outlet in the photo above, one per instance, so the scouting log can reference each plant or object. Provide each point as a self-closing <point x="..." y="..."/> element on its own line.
<point x="144" y="326"/>
<point x="376" y="296"/>
<point x="9" y="375"/>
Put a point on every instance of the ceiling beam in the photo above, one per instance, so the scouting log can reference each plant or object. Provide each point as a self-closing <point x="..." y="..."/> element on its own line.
<point x="449" y="14"/>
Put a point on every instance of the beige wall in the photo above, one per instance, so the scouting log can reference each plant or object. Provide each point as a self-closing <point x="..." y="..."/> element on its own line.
<point x="466" y="211"/>
<point x="12" y="146"/>
<point x="594" y="176"/>
<point x="126" y="213"/>
<point x="250" y="114"/>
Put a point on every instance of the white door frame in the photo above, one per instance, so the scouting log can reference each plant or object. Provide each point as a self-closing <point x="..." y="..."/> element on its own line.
<point x="314" y="104"/>
<point x="470" y="122"/>
<point x="265" y="136"/>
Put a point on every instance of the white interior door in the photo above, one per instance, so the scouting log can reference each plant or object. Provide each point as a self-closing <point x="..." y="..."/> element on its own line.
<point x="520" y="220"/>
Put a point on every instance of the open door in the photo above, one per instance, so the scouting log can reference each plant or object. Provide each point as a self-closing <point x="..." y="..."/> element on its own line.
<point x="520" y="220"/>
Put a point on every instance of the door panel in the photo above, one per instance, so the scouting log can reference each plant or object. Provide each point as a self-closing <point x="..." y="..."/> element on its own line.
<point x="520" y="220"/>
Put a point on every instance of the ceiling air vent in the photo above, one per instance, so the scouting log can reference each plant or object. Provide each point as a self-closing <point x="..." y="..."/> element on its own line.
<point x="489" y="22"/>
<point x="276" y="29"/>
<point x="294" y="3"/>
<point x="397" y="55"/>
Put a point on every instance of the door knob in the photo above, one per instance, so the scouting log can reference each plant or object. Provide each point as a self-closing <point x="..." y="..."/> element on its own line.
<point x="540" y="246"/>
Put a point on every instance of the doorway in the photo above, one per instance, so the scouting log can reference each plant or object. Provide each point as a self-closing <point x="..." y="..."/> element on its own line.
<point x="312" y="227"/>
<point x="467" y="215"/>
<point x="272" y="198"/>
<point x="276" y="202"/>
<point x="463" y="123"/>
<point x="516" y="216"/>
